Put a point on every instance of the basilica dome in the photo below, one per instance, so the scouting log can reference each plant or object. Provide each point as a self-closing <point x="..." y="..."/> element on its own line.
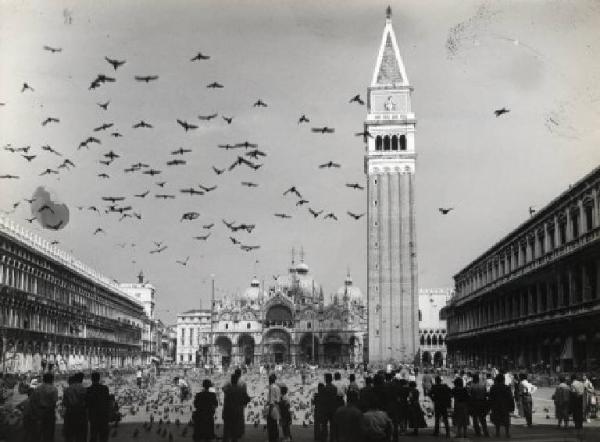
<point x="299" y="281"/>
<point x="349" y="290"/>
<point x="252" y="294"/>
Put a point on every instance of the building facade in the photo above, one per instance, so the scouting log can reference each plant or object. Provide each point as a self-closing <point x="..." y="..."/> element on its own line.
<point x="391" y="237"/>
<point x="145" y="293"/>
<point x="287" y="322"/>
<point x="193" y="336"/>
<point x="533" y="298"/>
<point x="56" y="310"/>
<point x="432" y="325"/>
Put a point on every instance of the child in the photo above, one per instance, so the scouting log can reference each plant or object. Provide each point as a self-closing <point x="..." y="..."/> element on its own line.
<point x="286" y="417"/>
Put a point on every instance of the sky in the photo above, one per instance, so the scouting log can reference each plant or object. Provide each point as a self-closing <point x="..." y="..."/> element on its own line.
<point x="465" y="59"/>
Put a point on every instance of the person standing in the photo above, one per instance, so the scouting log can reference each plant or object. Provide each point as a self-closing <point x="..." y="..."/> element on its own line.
<point x="502" y="404"/>
<point x="441" y="395"/>
<point x="416" y="418"/>
<point x="330" y="405"/>
<point x="346" y="420"/>
<point x="286" y="416"/>
<point x="460" y="415"/>
<point x="273" y="414"/>
<point x="561" y="398"/>
<point x="75" y="419"/>
<point x="235" y="400"/>
<point x="375" y="425"/>
<point x="43" y="401"/>
<point x="478" y="400"/>
<point x="206" y="404"/>
<point x="588" y="395"/>
<point x="367" y="395"/>
<point x="352" y="385"/>
<point x="31" y="428"/>
<point x="526" y="389"/>
<point x="426" y="382"/>
<point x="98" y="409"/>
<point x="576" y="401"/>
<point x="318" y="412"/>
<point x="138" y="377"/>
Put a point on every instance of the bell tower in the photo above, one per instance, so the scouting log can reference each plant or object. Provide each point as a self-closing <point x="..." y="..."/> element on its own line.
<point x="391" y="238"/>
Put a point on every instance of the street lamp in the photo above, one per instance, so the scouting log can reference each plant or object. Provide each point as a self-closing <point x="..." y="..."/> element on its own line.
<point x="212" y="309"/>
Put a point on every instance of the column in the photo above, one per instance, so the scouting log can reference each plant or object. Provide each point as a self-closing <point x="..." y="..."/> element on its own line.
<point x="571" y="278"/>
<point x="597" y="270"/>
<point x="559" y="291"/>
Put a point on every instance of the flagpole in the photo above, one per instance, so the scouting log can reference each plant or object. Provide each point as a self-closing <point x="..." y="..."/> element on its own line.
<point x="314" y="316"/>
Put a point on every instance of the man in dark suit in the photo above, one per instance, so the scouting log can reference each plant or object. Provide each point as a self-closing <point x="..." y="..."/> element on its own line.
<point x="98" y="407"/>
<point x="441" y="395"/>
<point x="330" y="405"/>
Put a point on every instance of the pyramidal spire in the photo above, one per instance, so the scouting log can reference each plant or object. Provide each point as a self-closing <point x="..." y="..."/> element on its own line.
<point x="389" y="69"/>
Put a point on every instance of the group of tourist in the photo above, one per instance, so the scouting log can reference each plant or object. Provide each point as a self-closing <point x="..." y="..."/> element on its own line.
<point x="87" y="411"/>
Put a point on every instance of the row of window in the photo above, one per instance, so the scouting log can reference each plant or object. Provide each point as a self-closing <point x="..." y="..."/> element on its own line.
<point x="60" y="291"/>
<point x="534" y="246"/>
<point x="394" y="142"/>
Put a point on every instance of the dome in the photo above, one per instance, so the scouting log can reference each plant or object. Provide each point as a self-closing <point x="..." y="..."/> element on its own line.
<point x="252" y="293"/>
<point x="353" y="293"/>
<point x="302" y="269"/>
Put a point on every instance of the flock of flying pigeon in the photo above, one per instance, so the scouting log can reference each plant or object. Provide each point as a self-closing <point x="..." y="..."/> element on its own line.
<point x="248" y="155"/>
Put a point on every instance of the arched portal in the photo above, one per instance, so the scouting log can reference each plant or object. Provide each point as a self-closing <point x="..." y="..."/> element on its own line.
<point x="307" y="346"/>
<point x="223" y="350"/>
<point x="438" y="359"/>
<point x="279" y="315"/>
<point x="246" y="345"/>
<point x="332" y="348"/>
<point x="426" y="358"/>
<point x="354" y="350"/>
<point x="276" y="346"/>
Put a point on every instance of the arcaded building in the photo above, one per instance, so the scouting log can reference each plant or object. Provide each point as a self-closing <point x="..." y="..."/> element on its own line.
<point x="288" y="321"/>
<point x="533" y="298"/>
<point x="56" y="310"/>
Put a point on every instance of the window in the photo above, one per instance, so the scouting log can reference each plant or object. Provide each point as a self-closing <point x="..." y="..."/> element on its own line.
<point x="227" y="326"/>
<point x="248" y="325"/>
<point x="378" y="142"/>
<point x="589" y="217"/>
<point x="402" y="142"/>
<point x="308" y="325"/>
<point x="386" y="142"/>
<point x="552" y="242"/>
<point x="420" y="315"/>
<point x="575" y="223"/>
<point x="394" y="142"/>
<point x="562" y="233"/>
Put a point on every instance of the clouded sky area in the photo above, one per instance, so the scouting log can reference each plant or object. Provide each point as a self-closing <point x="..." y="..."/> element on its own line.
<point x="540" y="59"/>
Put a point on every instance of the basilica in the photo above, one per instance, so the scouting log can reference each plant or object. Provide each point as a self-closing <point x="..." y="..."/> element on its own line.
<point x="288" y="321"/>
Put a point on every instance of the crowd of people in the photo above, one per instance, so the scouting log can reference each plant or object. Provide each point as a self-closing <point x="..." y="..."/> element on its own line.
<point x="86" y="411"/>
<point x="342" y="405"/>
